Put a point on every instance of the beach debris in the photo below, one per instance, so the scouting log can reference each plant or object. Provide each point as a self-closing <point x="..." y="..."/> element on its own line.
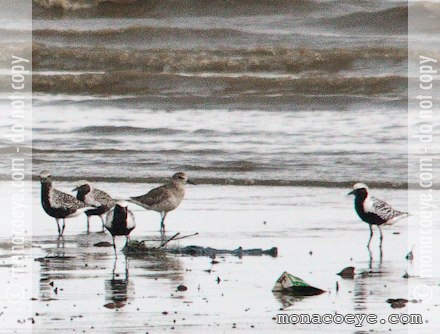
<point x="292" y="285"/>
<point x="347" y="272"/>
<point x="406" y="275"/>
<point x="337" y="286"/>
<point x="208" y="251"/>
<point x="139" y="248"/>
<point x="182" y="288"/>
<point x="103" y="244"/>
<point x="397" y="303"/>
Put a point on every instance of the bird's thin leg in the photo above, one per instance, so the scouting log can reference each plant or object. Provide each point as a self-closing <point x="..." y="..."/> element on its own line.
<point x="381" y="257"/>
<point x="58" y="225"/>
<point x="114" y="246"/>
<point x="88" y="224"/>
<point x="64" y="226"/>
<point x="102" y="219"/>
<point x="381" y="235"/>
<point x="162" y="222"/>
<point x="371" y="236"/>
<point x="370" y="262"/>
<point x="127" y="239"/>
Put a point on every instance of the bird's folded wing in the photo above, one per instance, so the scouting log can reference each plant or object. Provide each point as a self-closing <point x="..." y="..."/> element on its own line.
<point x="154" y="196"/>
<point x="63" y="200"/>
<point x="102" y="198"/>
<point x="382" y="209"/>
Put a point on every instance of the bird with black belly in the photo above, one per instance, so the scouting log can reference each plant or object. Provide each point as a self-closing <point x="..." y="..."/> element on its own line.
<point x="58" y="204"/>
<point x="374" y="211"/>
<point x="96" y="197"/>
<point x="120" y="221"/>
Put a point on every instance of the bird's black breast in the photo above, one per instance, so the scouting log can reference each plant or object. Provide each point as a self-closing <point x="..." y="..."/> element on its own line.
<point x="368" y="217"/>
<point x="119" y="223"/>
<point x="96" y="212"/>
<point x="51" y="211"/>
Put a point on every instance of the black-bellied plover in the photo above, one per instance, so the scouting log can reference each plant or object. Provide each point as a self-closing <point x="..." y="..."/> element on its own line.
<point x="120" y="221"/>
<point x="164" y="198"/>
<point x="58" y="204"/>
<point x="374" y="211"/>
<point x="93" y="196"/>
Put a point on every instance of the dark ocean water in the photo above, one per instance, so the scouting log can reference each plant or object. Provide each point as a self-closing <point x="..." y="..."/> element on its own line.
<point x="268" y="92"/>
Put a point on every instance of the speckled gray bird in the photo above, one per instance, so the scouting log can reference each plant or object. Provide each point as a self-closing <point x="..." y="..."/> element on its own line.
<point x="165" y="198"/>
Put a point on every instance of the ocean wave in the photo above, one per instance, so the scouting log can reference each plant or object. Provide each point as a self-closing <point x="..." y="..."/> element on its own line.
<point x="145" y="32"/>
<point x="173" y="85"/>
<point x="124" y="130"/>
<point x="233" y="181"/>
<point x="63" y="5"/>
<point x="251" y="60"/>
<point x="156" y="8"/>
<point x="124" y="152"/>
<point x="392" y="21"/>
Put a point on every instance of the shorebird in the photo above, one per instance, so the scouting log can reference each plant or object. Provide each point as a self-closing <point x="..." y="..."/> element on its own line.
<point x="58" y="204"/>
<point x="165" y="198"/>
<point x="93" y="196"/>
<point x="120" y="221"/>
<point x="374" y="211"/>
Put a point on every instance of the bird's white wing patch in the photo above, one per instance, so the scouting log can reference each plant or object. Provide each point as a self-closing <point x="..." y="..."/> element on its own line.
<point x="130" y="220"/>
<point x="109" y="219"/>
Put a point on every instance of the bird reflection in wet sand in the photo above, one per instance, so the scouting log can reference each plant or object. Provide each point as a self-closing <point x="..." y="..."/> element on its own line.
<point x="362" y="283"/>
<point x="371" y="259"/>
<point x="116" y="288"/>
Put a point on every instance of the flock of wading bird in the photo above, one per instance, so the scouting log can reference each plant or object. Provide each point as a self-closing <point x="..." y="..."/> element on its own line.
<point x="120" y="221"/>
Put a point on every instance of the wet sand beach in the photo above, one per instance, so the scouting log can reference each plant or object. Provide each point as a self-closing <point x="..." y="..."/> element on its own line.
<point x="82" y="288"/>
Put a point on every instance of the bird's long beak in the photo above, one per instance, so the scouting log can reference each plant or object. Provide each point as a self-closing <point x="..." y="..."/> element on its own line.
<point x="351" y="193"/>
<point x="191" y="182"/>
<point x="76" y="189"/>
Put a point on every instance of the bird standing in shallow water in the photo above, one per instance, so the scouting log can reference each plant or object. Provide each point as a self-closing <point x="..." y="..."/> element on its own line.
<point x="164" y="198"/>
<point x="120" y="221"/>
<point x="92" y="196"/>
<point x="58" y="204"/>
<point x="374" y="211"/>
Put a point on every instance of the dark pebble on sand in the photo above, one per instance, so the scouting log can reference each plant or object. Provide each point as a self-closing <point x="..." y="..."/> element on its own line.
<point x="182" y="288"/>
<point x="103" y="244"/>
<point x="347" y="272"/>
<point x="110" y="305"/>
